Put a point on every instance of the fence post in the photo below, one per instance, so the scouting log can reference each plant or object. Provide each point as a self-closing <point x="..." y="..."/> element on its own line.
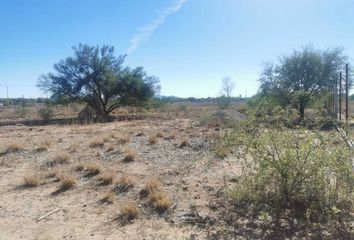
<point x="340" y="96"/>
<point x="347" y="92"/>
<point x="335" y="99"/>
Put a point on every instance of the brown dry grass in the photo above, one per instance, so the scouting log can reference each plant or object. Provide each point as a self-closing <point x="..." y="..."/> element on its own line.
<point x="129" y="155"/>
<point x="107" y="177"/>
<point x="129" y="211"/>
<point x="110" y="148"/>
<point x="31" y="181"/>
<point x="153" y="140"/>
<point x="66" y="182"/>
<point x="123" y="139"/>
<point x="98" y="142"/>
<point x="80" y="166"/>
<point x="13" y="148"/>
<point x="108" y="198"/>
<point x="151" y="185"/>
<point x="183" y="143"/>
<point x="60" y="158"/>
<point x="160" y="201"/>
<point x="159" y="135"/>
<point x="92" y="169"/>
<point x="123" y="184"/>
<point x="43" y="145"/>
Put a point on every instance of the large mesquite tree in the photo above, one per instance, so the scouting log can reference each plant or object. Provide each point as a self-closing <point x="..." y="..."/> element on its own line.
<point x="96" y="76"/>
<point x="302" y="76"/>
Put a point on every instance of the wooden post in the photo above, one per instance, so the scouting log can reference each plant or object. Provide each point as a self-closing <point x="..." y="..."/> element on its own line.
<point x="346" y="92"/>
<point x="340" y="96"/>
<point x="335" y="99"/>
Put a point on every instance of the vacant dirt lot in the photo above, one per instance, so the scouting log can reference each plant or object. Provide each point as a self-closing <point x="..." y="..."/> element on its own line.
<point x="91" y="174"/>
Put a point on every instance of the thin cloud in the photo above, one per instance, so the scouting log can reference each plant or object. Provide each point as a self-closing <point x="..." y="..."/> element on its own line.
<point x="145" y="32"/>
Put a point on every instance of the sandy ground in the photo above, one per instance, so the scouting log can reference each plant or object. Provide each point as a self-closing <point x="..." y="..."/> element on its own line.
<point x="191" y="176"/>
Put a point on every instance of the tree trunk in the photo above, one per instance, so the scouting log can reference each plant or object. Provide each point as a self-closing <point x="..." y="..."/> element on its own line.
<point x="301" y="110"/>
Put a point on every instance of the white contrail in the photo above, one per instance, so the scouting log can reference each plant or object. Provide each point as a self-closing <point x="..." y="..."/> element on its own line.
<point x="145" y="32"/>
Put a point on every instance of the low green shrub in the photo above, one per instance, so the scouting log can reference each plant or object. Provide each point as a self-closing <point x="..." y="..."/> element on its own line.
<point x="294" y="173"/>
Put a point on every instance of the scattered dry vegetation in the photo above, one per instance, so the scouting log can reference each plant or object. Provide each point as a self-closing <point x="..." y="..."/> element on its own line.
<point x="107" y="177"/>
<point x="123" y="139"/>
<point x="123" y="184"/>
<point x="98" y="142"/>
<point x="59" y="158"/>
<point x="92" y="169"/>
<point x="184" y="143"/>
<point x="108" y="198"/>
<point x="129" y="211"/>
<point x="153" y="140"/>
<point x="160" y="201"/>
<point x="43" y="145"/>
<point x="152" y="185"/>
<point x="66" y="182"/>
<point x="129" y="155"/>
<point x="13" y="148"/>
<point x="33" y="180"/>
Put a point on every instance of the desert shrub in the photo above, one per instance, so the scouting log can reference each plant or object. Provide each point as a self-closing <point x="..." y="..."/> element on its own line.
<point x="294" y="172"/>
<point x="46" y="113"/>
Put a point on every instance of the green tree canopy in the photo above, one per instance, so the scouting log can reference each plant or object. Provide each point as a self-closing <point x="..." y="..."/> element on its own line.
<point x="96" y="76"/>
<point x="303" y="75"/>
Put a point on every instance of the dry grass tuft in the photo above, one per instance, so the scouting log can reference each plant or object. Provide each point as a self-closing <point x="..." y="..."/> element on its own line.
<point x="160" y="201"/>
<point x="123" y="139"/>
<point x="152" y="140"/>
<point x="13" y="148"/>
<point x="108" y="198"/>
<point x="79" y="167"/>
<point x="66" y="182"/>
<point x="184" y="143"/>
<point x="44" y="145"/>
<point x="129" y="211"/>
<point x="92" y="169"/>
<point x="159" y="135"/>
<point x="32" y="181"/>
<point x="129" y="155"/>
<point x="107" y="177"/>
<point x="59" y="158"/>
<point x="123" y="184"/>
<point x="151" y="185"/>
<point x="110" y="148"/>
<point x="140" y="134"/>
<point x="98" y="142"/>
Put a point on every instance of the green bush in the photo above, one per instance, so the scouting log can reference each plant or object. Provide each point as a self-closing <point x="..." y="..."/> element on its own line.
<point x="295" y="172"/>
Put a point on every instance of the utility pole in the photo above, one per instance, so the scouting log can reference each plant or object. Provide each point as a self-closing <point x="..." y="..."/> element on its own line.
<point x="347" y="92"/>
<point x="340" y="96"/>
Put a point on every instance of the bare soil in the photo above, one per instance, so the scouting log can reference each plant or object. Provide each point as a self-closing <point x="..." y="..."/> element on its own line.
<point x="190" y="175"/>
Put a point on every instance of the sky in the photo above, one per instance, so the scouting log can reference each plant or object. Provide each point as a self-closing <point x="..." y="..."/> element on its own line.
<point x="190" y="45"/>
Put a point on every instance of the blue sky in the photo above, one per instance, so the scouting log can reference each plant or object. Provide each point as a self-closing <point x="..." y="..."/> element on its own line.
<point x="189" y="44"/>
